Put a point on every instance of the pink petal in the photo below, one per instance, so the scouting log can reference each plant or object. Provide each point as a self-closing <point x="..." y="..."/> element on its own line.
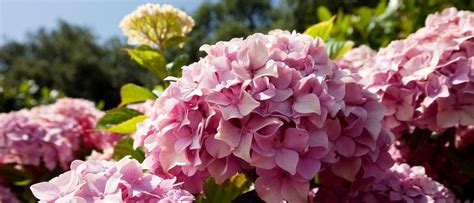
<point x="45" y="191"/>
<point x="259" y="123"/>
<point x="112" y="184"/>
<point x="307" y="104"/>
<point x="228" y="133"/>
<point x="217" y="148"/>
<point x="318" y="139"/>
<point x="282" y="94"/>
<point x="308" y="167"/>
<point x="67" y="181"/>
<point x="269" y="189"/>
<point x="467" y="115"/>
<point x="287" y="160"/>
<point x="130" y="169"/>
<point x="243" y="150"/>
<point x="404" y="112"/>
<point x="247" y="104"/>
<point x="230" y="111"/>
<point x="270" y="69"/>
<point x="293" y="191"/>
<point x="295" y="139"/>
<point x="448" y="118"/>
<point x="347" y="168"/>
<point x="258" y="53"/>
<point x="218" y="98"/>
<point x="345" y="146"/>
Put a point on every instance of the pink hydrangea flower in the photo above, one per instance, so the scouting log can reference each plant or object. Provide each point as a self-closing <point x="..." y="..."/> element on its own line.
<point x="425" y="80"/>
<point x="51" y="134"/>
<point x="7" y="196"/>
<point x="274" y="104"/>
<point x="107" y="181"/>
<point x="401" y="183"/>
<point x="356" y="58"/>
<point x="408" y="184"/>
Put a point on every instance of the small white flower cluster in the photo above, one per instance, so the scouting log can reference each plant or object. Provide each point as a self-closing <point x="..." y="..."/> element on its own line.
<point x="153" y="24"/>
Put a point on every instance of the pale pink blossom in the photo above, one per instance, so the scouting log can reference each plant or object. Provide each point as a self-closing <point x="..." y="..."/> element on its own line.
<point x="275" y="104"/>
<point x="51" y="135"/>
<point x="108" y="181"/>
<point x="426" y="79"/>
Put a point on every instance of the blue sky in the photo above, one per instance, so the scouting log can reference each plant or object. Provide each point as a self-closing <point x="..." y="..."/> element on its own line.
<point x="17" y="17"/>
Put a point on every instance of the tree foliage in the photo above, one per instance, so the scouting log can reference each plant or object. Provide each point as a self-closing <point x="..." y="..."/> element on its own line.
<point x="71" y="60"/>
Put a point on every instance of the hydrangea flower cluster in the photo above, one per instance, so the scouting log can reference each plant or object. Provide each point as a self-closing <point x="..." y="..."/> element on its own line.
<point x="443" y="160"/>
<point x="408" y="184"/>
<point x="274" y="104"/>
<point x="401" y="183"/>
<point x="153" y="24"/>
<point x="6" y="196"/>
<point x="357" y="58"/>
<point x="427" y="79"/>
<point x="108" y="181"/>
<point x="51" y="134"/>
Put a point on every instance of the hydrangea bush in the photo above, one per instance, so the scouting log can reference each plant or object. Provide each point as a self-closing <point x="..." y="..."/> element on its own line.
<point x="425" y="80"/>
<point x="274" y="105"/>
<point x="401" y="183"/>
<point x="265" y="117"/>
<point x="52" y="135"/>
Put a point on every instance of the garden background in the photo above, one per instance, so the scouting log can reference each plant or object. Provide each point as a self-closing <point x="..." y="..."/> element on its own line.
<point x="71" y="60"/>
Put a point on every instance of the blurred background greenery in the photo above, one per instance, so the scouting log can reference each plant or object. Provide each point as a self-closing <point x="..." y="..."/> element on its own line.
<point x="70" y="61"/>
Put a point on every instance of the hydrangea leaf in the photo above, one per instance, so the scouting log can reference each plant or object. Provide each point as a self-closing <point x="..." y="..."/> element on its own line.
<point x="337" y="49"/>
<point x="131" y="93"/>
<point x="124" y="147"/>
<point x="174" y="67"/>
<point x="17" y="177"/>
<point x="323" y="13"/>
<point x="321" y="29"/>
<point x="175" y="41"/>
<point x="226" y="192"/>
<point x="150" y="59"/>
<point x="120" y="120"/>
<point x="128" y="126"/>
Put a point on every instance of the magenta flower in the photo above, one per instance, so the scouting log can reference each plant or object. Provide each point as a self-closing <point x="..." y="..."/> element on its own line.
<point x="7" y="196"/>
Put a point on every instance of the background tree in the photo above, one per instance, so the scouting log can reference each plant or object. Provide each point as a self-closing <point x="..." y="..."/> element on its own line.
<point x="69" y="59"/>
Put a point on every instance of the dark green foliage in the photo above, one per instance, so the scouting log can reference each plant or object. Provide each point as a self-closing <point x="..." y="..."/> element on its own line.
<point x="69" y="59"/>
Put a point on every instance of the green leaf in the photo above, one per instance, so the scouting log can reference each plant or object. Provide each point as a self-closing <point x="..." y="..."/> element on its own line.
<point x="150" y="59"/>
<point x="174" y="41"/>
<point x="121" y="120"/>
<point x="323" y="13"/>
<point x="124" y="147"/>
<point x="127" y="127"/>
<point x="337" y="49"/>
<point x="248" y="197"/>
<point x="322" y="29"/>
<point x="131" y="93"/>
<point x="226" y="192"/>
<point x="14" y="175"/>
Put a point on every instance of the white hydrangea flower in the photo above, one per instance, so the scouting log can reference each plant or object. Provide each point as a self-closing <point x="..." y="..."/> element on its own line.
<point x="153" y="24"/>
